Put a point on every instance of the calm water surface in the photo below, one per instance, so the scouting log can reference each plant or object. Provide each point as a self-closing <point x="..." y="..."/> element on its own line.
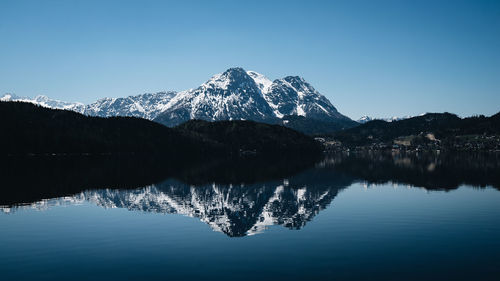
<point x="377" y="217"/>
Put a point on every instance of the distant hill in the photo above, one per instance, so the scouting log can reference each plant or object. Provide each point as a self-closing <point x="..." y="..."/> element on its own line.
<point x="443" y="127"/>
<point x="250" y="137"/>
<point x="313" y="127"/>
<point x="28" y="128"/>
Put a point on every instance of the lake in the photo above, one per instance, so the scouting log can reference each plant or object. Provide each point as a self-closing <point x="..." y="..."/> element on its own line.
<point x="371" y="216"/>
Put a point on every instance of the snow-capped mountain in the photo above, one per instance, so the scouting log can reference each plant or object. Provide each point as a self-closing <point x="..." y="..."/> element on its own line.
<point x="364" y="119"/>
<point x="292" y="95"/>
<point x="146" y="106"/>
<point x="232" y="95"/>
<point x="46" y="102"/>
<point x="235" y="94"/>
<point x="367" y="118"/>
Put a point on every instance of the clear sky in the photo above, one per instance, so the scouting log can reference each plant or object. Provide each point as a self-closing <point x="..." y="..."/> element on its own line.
<point x="380" y="58"/>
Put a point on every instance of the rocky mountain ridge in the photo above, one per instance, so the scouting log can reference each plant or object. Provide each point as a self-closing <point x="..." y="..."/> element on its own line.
<point x="235" y="94"/>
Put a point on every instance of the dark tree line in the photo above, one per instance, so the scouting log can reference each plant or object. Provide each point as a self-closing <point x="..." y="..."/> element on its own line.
<point x="31" y="129"/>
<point x="444" y="126"/>
<point x="251" y="137"/>
<point x="315" y="127"/>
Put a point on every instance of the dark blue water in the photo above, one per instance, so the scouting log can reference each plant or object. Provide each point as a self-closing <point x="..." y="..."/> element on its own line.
<point x="323" y="223"/>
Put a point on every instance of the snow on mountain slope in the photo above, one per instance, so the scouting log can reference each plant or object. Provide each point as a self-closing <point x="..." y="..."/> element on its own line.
<point x="235" y="94"/>
<point x="367" y="118"/>
<point x="262" y="81"/>
<point x="146" y="106"/>
<point x="46" y="102"/>
<point x="232" y="95"/>
<point x="292" y="95"/>
<point x="364" y="119"/>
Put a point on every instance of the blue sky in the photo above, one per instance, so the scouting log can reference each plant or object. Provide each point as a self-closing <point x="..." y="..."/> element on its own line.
<point x="380" y="58"/>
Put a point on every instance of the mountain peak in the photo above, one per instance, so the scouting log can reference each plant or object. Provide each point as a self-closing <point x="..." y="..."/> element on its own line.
<point x="234" y="70"/>
<point x="231" y="79"/>
<point x="297" y="79"/>
<point x="231" y="95"/>
<point x="236" y="74"/>
<point x="366" y="118"/>
<point x="292" y="95"/>
<point x="42" y="98"/>
<point x="299" y="83"/>
<point x="8" y="97"/>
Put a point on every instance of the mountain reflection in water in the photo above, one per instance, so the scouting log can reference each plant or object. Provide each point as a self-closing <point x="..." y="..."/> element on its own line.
<point x="237" y="198"/>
